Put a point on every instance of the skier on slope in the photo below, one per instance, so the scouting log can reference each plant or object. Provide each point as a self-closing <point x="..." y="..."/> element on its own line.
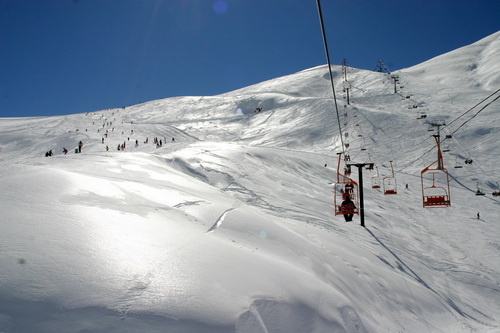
<point x="347" y="208"/>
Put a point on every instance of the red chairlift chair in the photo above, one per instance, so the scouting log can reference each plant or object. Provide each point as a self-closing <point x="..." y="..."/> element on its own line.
<point x="389" y="182"/>
<point x="345" y="187"/>
<point x="433" y="195"/>
<point x="376" y="180"/>
<point x="435" y="183"/>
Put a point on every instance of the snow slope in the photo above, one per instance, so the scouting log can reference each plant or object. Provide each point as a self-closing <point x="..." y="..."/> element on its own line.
<point x="230" y="228"/>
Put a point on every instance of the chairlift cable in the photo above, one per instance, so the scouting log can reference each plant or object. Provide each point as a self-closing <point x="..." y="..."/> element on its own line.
<point x="428" y="151"/>
<point x="484" y="107"/>
<point x="418" y="158"/>
<point x="320" y="13"/>
<point x="451" y="122"/>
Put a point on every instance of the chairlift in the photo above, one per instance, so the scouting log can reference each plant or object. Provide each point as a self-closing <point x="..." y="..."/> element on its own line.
<point x="363" y="145"/>
<point x="376" y="180"/>
<point x="479" y="191"/>
<point x="345" y="188"/>
<point x="458" y="164"/>
<point x="435" y="195"/>
<point x="496" y="193"/>
<point x="421" y="115"/>
<point x="435" y="183"/>
<point x="389" y="182"/>
<point x="449" y="136"/>
<point x="446" y="147"/>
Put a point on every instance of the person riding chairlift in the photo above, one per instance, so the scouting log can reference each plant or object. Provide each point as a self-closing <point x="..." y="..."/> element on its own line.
<point x="347" y="207"/>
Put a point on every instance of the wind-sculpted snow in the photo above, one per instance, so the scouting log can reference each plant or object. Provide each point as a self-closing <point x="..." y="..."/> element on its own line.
<point x="227" y="225"/>
<point x="268" y="316"/>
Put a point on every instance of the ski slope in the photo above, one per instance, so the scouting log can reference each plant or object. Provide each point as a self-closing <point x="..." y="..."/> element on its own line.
<point x="229" y="225"/>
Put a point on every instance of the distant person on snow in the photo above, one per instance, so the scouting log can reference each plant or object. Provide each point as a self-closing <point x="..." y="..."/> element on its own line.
<point x="347" y="208"/>
<point x="80" y="145"/>
<point x="65" y="151"/>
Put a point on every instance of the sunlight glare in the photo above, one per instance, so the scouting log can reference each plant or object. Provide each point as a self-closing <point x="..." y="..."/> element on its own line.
<point x="220" y="6"/>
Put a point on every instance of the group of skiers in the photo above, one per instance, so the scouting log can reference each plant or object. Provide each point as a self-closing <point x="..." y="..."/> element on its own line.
<point x="121" y="147"/>
<point x="65" y="151"/>
<point x="104" y="126"/>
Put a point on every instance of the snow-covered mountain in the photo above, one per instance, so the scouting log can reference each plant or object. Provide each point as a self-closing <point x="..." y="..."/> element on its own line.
<point x="229" y="225"/>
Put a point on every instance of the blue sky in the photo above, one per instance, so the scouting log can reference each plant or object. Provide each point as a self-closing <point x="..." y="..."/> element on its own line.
<point x="72" y="56"/>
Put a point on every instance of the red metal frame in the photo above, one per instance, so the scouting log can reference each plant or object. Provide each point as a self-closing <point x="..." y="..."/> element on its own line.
<point x="344" y="187"/>
<point x="436" y="195"/>
<point x="390" y="188"/>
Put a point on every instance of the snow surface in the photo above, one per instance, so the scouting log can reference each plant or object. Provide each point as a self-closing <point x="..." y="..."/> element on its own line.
<point x="231" y="228"/>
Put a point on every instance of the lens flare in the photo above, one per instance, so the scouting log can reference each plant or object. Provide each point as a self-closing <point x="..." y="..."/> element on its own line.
<point x="220" y="6"/>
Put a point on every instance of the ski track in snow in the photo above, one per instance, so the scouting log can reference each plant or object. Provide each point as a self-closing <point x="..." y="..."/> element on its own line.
<point x="220" y="220"/>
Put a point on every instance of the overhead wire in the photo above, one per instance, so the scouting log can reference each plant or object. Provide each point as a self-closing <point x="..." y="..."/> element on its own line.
<point x="320" y="13"/>
<point x="445" y="126"/>
<point x="452" y="133"/>
<point x="451" y="122"/>
<point x="484" y="107"/>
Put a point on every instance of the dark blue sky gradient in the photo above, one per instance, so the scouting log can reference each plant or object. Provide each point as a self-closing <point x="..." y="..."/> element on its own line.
<point x="73" y="56"/>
